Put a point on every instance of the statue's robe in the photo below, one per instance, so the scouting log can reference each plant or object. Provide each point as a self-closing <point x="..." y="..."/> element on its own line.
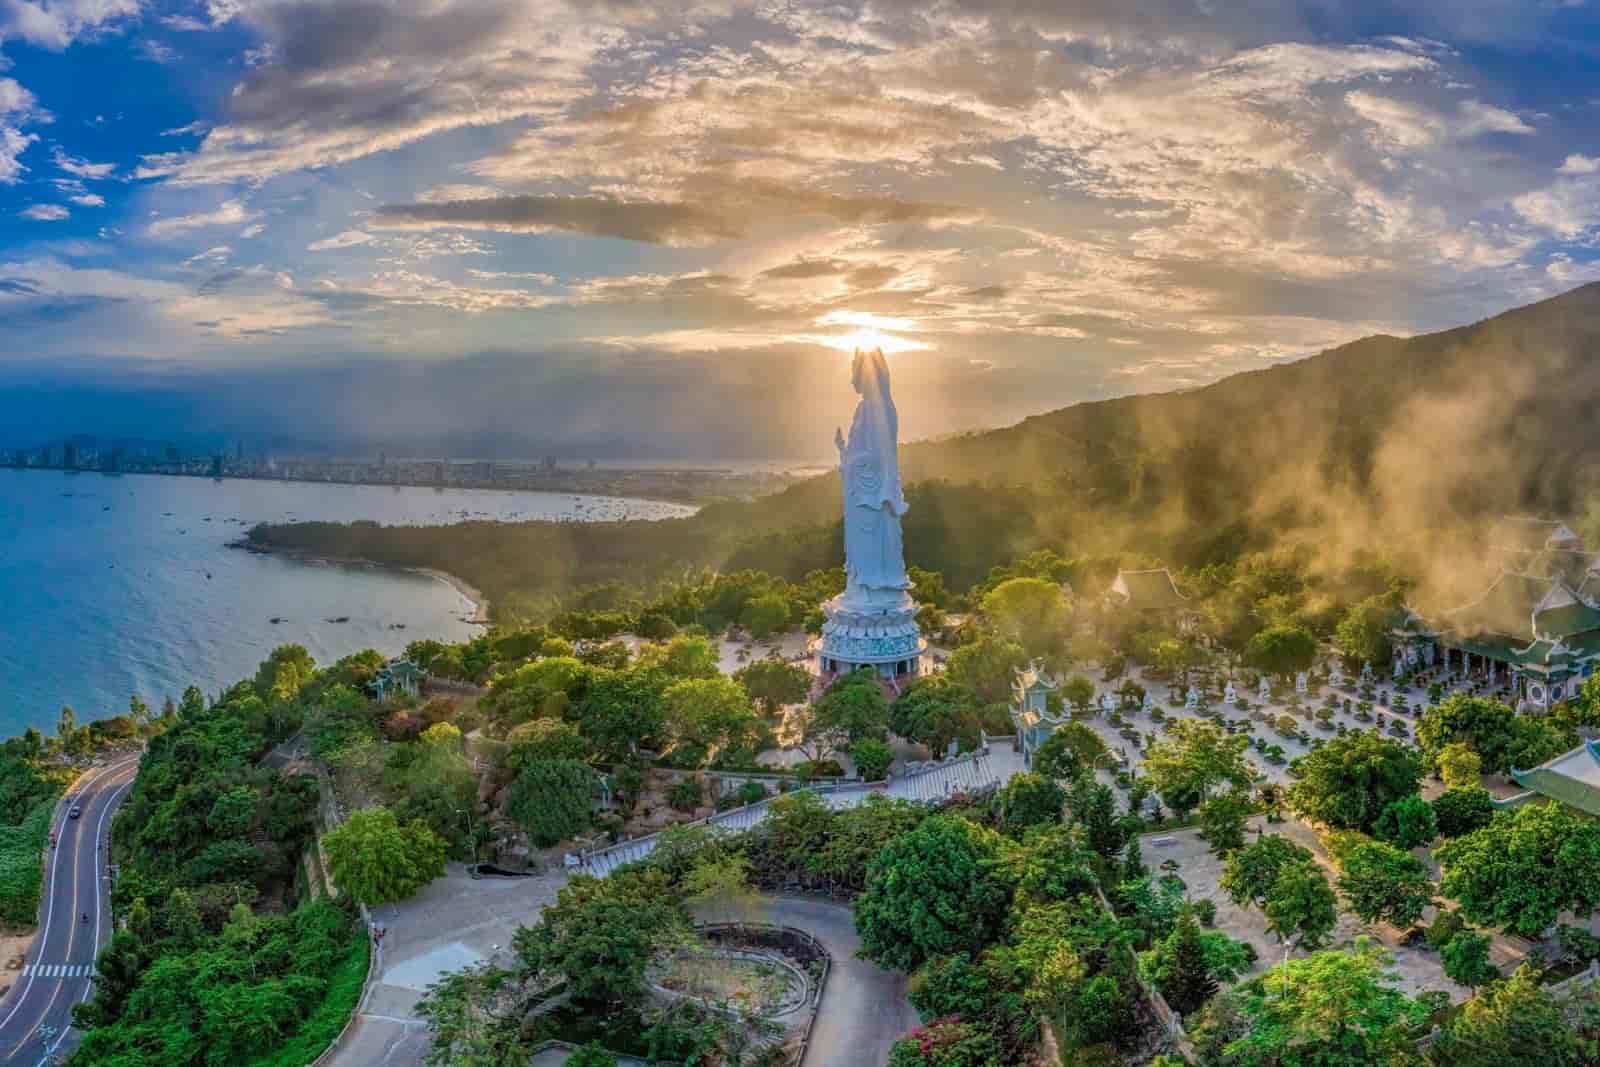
<point x="869" y="469"/>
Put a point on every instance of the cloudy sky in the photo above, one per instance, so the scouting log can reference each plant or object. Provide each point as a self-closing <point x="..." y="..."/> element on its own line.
<point x="657" y="224"/>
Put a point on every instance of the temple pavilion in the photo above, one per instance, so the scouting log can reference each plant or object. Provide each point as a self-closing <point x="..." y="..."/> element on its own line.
<point x="1534" y="632"/>
<point x="1151" y="594"/>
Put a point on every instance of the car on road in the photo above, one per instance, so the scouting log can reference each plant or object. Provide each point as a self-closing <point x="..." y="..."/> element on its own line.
<point x="77" y="810"/>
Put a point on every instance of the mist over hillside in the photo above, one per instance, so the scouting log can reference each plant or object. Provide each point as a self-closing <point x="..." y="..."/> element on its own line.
<point x="1390" y="447"/>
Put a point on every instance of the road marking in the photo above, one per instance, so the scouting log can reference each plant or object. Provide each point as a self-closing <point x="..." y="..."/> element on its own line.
<point x="107" y="771"/>
<point x="111" y="804"/>
<point x="44" y="938"/>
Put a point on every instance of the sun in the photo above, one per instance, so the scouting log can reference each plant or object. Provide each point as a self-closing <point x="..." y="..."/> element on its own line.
<point x="871" y="331"/>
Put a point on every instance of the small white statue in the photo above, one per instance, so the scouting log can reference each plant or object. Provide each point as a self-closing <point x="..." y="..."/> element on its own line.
<point x="1264" y="690"/>
<point x="1366" y="672"/>
<point x="1149" y="704"/>
<point x="1107" y="704"/>
<point x="1335" y="676"/>
<point x="1191" y="699"/>
<point x="1301" y="682"/>
<point x="1228" y="693"/>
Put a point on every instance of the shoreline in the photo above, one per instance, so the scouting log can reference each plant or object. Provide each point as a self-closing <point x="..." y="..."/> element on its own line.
<point x="480" y="602"/>
<point x="691" y="500"/>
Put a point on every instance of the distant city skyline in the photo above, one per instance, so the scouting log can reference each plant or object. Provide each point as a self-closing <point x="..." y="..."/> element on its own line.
<point x="658" y="227"/>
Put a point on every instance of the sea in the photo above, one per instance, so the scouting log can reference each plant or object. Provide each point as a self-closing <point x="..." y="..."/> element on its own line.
<point x="118" y="585"/>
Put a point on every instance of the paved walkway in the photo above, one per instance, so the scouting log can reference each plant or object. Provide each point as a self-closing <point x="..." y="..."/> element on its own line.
<point x="455" y="922"/>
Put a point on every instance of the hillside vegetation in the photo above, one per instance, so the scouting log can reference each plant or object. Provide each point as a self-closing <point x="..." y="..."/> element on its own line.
<point x="1398" y="445"/>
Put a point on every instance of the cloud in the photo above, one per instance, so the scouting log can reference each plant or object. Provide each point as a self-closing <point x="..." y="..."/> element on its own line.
<point x="1412" y="125"/>
<point x="13" y="142"/>
<point x="338" y="82"/>
<point x="17" y="106"/>
<point x="347" y="239"/>
<point x="732" y="212"/>
<point x="185" y="23"/>
<point x="55" y="24"/>
<point x="45" y="213"/>
<point x="82" y="168"/>
<point x="157" y="51"/>
<point x="228" y="213"/>
<point x="88" y="200"/>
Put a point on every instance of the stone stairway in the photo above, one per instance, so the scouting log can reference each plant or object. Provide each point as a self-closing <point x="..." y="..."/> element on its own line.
<point x="927" y="783"/>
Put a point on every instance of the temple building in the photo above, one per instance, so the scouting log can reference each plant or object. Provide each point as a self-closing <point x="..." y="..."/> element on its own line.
<point x="1150" y="594"/>
<point x="1030" y="709"/>
<point x="1532" y="636"/>
<point x="1572" y="778"/>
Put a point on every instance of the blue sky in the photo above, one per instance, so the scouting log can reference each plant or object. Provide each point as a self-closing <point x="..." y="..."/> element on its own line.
<point x="661" y="224"/>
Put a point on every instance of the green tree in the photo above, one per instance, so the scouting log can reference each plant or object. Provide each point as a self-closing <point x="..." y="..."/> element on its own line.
<point x="1029" y="800"/>
<point x="1030" y="611"/>
<point x="934" y="711"/>
<point x="619" y="711"/>
<point x="1406" y="823"/>
<point x="1300" y="907"/>
<point x="601" y="934"/>
<point x="853" y="707"/>
<point x="990" y="992"/>
<point x="544" y="739"/>
<point x="1501" y="738"/>
<point x="1523" y="869"/>
<point x="1249" y="873"/>
<point x="985" y="666"/>
<point x="1195" y="756"/>
<point x="1077" y="691"/>
<point x="284" y="673"/>
<point x="685" y="656"/>
<point x="1225" y="959"/>
<point x="1222" y="821"/>
<point x="1382" y="882"/>
<point x="1459" y="766"/>
<point x="552" y="799"/>
<point x="772" y="683"/>
<point x="872" y="758"/>
<point x="764" y="615"/>
<point x="1461" y="810"/>
<point x="939" y="889"/>
<point x="1281" y="650"/>
<point x="1188" y="983"/>
<point x="1465" y="958"/>
<point x="705" y="714"/>
<point x="1070" y="750"/>
<point x="1363" y="634"/>
<point x="1349" y="780"/>
<point x="1511" y="1022"/>
<point x="377" y="860"/>
<point x="1331" y="1009"/>
<point x="1095" y="810"/>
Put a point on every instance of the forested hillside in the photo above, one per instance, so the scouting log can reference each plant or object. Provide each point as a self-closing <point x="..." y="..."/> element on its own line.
<point x="1390" y="445"/>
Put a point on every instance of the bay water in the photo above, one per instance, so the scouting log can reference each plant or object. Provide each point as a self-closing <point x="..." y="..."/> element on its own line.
<point x="116" y="585"/>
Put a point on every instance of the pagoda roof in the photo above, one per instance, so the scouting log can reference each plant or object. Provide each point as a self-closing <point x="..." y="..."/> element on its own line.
<point x="1035" y="675"/>
<point x="1526" y="533"/>
<point x="1506" y="607"/>
<point x="1566" y="620"/>
<point x="1573" y="778"/>
<point x="1148" y="590"/>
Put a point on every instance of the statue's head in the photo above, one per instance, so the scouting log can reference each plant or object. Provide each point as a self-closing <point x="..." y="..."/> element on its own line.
<point x="869" y="371"/>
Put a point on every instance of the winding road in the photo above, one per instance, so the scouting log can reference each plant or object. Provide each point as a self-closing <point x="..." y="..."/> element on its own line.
<point x="36" y="1014"/>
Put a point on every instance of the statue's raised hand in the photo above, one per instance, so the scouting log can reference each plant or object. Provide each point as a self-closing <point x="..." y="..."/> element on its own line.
<point x="838" y="440"/>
